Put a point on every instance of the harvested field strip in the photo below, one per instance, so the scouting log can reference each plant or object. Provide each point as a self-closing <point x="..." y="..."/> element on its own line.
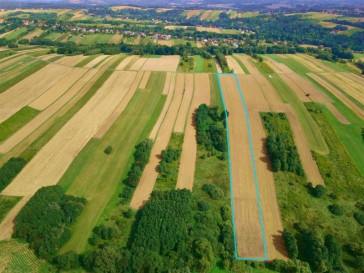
<point x="168" y="90"/>
<point x="31" y="126"/>
<point x="309" y="64"/>
<point x="345" y="85"/>
<point x="138" y="64"/>
<point x="49" y="57"/>
<point x="358" y="78"/>
<point x="11" y="61"/>
<point x="192" y="13"/>
<point x="51" y="120"/>
<point x="218" y="67"/>
<point x="29" y="70"/>
<point x="310" y="129"/>
<point x="120" y="108"/>
<point x="95" y="61"/>
<point x="317" y="63"/>
<point x="255" y="89"/>
<point x="29" y="89"/>
<point x="126" y="62"/>
<point x="16" y="121"/>
<point x="145" y="79"/>
<point x="234" y="65"/>
<point x="164" y="63"/>
<point x="71" y="60"/>
<point x="150" y="173"/>
<point x="248" y="64"/>
<point x="87" y="60"/>
<point x="116" y="39"/>
<point x="57" y="90"/>
<point x="15" y="68"/>
<point x="247" y="219"/>
<point x="189" y="149"/>
<point x="85" y="178"/>
<point x="179" y="127"/>
<point x="205" y="14"/>
<point x="345" y="98"/>
<point x="51" y="162"/>
<point x="246" y="71"/>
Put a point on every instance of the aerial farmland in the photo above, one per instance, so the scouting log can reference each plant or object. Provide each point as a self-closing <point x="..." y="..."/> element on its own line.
<point x="181" y="151"/>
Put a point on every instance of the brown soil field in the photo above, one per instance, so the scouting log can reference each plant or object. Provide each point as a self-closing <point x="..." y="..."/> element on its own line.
<point x="51" y="162"/>
<point x="166" y="42"/>
<point x="30" y="88"/>
<point x="179" y="127"/>
<point x="248" y="64"/>
<point x="71" y="60"/>
<point x="349" y="103"/>
<point x="138" y="64"/>
<point x="218" y="67"/>
<point x="273" y="226"/>
<point x="145" y="79"/>
<point x="168" y="90"/>
<point x="164" y="63"/>
<point x="354" y="89"/>
<point x="32" y="125"/>
<point x="234" y="65"/>
<point x="120" y="108"/>
<point x="247" y="224"/>
<point x="150" y="173"/>
<point x="95" y="61"/>
<point x="186" y="170"/>
<point x="33" y="34"/>
<point x="57" y="90"/>
<point x="116" y="39"/>
<point x="192" y="13"/>
<point x="310" y="65"/>
<point x="125" y="62"/>
<point x="205" y="14"/>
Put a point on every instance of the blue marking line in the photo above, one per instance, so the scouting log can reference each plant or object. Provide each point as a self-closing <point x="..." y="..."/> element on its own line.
<point x="265" y="258"/>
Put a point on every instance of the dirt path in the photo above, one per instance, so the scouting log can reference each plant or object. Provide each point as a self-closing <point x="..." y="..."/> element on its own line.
<point x="248" y="64"/>
<point x="32" y="125"/>
<point x="169" y="86"/>
<point x="150" y="173"/>
<point x="186" y="170"/>
<point x="30" y="88"/>
<point x="247" y="223"/>
<point x="51" y="162"/>
<point x="57" y="90"/>
<point x="179" y="127"/>
<point x="234" y="65"/>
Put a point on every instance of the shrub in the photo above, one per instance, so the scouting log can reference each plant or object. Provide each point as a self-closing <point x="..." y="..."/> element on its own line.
<point x="129" y="213"/>
<point x="318" y="191"/>
<point x="290" y="243"/>
<point x="108" y="150"/>
<point x="203" y="205"/>
<point x="336" y="209"/>
<point x="67" y="260"/>
<point x="359" y="217"/>
<point x="213" y="191"/>
<point x="10" y="169"/>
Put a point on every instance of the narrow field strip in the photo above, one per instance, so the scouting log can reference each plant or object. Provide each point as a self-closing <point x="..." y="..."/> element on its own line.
<point x="180" y="125"/>
<point x="71" y="60"/>
<point x="248" y="64"/>
<point x="126" y="62"/>
<point x="31" y="126"/>
<point x="51" y="162"/>
<point x="150" y="173"/>
<point x="309" y="64"/>
<point x="29" y="89"/>
<point x="234" y="65"/>
<point x="120" y="108"/>
<point x="347" y="101"/>
<point x="249" y="233"/>
<point x="137" y="65"/>
<point x="95" y="61"/>
<point x="164" y="63"/>
<point x="186" y="170"/>
<point x="317" y="62"/>
<point x="143" y="83"/>
<point x="57" y="90"/>
<point x="169" y="86"/>
<point x="11" y="61"/>
<point x="358" y="78"/>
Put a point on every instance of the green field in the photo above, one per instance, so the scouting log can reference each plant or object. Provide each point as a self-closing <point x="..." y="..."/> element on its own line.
<point x="15" y="35"/>
<point x="96" y="38"/>
<point x="16" y="121"/>
<point x="199" y="64"/>
<point x="15" y="65"/>
<point x="94" y="167"/>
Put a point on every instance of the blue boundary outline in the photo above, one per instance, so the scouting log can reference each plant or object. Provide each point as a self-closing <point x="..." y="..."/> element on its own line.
<point x="265" y="258"/>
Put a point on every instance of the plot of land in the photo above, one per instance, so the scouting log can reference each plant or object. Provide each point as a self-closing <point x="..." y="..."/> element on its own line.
<point x="192" y="13"/>
<point x="29" y="89"/>
<point x="150" y="173"/>
<point x="51" y="162"/>
<point x="71" y="60"/>
<point x="189" y="149"/>
<point x="138" y="64"/>
<point x="248" y="64"/>
<point x="247" y="223"/>
<point x="125" y="62"/>
<point x="234" y="65"/>
<point x="95" y="61"/>
<point x="164" y="63"/>
<point x="145" y="79"/>
<point x="179" y="126"/>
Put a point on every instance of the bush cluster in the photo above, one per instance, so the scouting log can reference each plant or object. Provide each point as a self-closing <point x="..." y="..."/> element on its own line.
<point x="9" y="170"/>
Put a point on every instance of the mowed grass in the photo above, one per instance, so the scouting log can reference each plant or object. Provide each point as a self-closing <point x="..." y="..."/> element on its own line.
<point x="209" y="66"/>
<point x="198" y="64"/>
<point x="32" y="68"/>
<point x="98" y="176"/>
<point x="6" y="204"/>
<point x="311" y="130"/>
<point x="16" y="121"/>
